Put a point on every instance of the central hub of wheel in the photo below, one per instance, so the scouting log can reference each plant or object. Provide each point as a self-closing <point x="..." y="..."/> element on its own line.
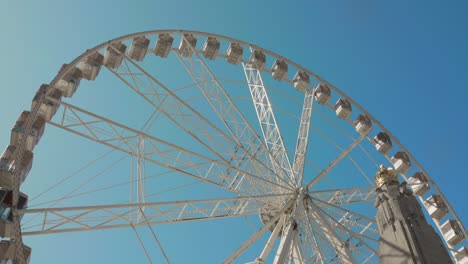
<point x="268" y="212"/>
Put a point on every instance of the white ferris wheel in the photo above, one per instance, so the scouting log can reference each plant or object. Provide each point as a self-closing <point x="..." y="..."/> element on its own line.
<point x="209" y="129"/>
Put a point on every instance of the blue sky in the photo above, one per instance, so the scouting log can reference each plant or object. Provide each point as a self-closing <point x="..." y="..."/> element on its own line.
<point x="405" y="62"/>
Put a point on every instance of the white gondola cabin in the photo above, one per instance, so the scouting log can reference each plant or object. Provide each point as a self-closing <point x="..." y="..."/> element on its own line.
<point x="383" y="143"/>
<point x="70" y="82"/>
<point x="461" y="256"/>
<point x="37" y="130"/>
<point x="234" y="53"/>
<point x="452" y="232"/>
<point x="8" y="252"/>
<point x="279" y="70"/>
<point x="401" y="162"/>
<point x="8" y="167"/>
<point x="436" y="207"/>
<point x="48" y="107"/>
<point x="362" y="124"/>
<point x="6" y="216"/>
<point x="187" y="45"/>
<point x="91" y="66"/>
<point x="257" y="60"/>
<point x="139" y="48"/>
<point x="114" y="55"/>
<point x="418" y="184"/>
<point x="211" y="48"/>
<point x="301" y="81"/>
<point x="343" y="108"/>
<point x="322" y="94"/>
<point x="163" y="45"/>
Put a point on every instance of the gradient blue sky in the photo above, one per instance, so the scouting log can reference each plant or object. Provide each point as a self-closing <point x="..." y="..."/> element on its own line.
<point x="406" y="62"/>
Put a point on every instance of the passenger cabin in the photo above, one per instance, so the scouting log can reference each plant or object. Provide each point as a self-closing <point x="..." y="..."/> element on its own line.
<point x="362" y="124"/>
<point x="461" y="256"/>
<point x="301" y="81"/>
<point x="211" y="48"/>
<point x="37" y="130"/>
<point x="91" y="66"/>
<point x="383" y="143"/>
<point x="8" y="166"/>
<point x="8" y="252"/>
<point x="436" y="207"/>
<point x="139" y="48"/>
<point x="163" y="45"/>
<point x="279" y="70"/>
<point x="452" y="232"/>
<point x="49" y="107"/>
<point x="114" y="55"/>
<point x="257" y="60"/>
<point x="322" y="94"/>
<point x="70" y="82"/>
<point x="401" y="162"/>
<point x="234" y="53"/>
<point x="418" y="184"/>
<point x="6" y="216"/>
<point x="343" y="108"/>
<point x="187" y="45"/>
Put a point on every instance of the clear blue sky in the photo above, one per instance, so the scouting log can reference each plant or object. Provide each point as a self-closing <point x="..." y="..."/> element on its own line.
<point x="406" y="62"/>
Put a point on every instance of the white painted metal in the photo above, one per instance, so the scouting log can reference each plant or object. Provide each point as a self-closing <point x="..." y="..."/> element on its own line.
<point x="332" y="164"/>
<point x="238" y="126"/>
<point x="125" y="139"/>
<point x="303" y="136"/>
<point x="329" y="197"/>
<point x="340" y="246"/>
<point x="269" y="126"/>
<point x="72" y="219"/>
<point x="284" y="248"/>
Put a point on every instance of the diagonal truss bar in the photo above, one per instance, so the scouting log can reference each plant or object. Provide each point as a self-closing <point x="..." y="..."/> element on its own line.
<point x="166" y="258"/>
<point x="228" y="112"/>
<point x="297" y="254"/>
<point x="309" y="236"/>
<point x="156" y="151"/>
<point x="267" y="121"/>
<point x="284" y="248"/>
<point x="335" y="162"/>
<point x="85" y="218"/>
<point x="195" y="124"/>
<point x="342" y="226"/>
<point x="340" y="246"/>
<point x="344" y="210"/>
<point x="303" y="136"/>
<point x="345" y="195"/>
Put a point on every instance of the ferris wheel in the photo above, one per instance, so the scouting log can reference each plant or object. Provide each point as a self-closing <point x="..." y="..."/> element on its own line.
<point x="209" y="129"/>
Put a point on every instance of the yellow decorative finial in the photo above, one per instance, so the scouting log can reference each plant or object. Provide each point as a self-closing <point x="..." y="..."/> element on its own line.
<point x="384" y="176"/>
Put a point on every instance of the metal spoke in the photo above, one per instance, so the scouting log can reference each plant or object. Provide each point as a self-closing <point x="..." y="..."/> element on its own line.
<point x="226" y="109"/>
<point x="335" y="162"/>
<point x="191" y="121"/>
<point x="303" y="136"/>
<point x="345" y="195"/>
<point x="155" y="237"/>
<point x="341" y="226"/>
<point x="157" y="151"/>
<point x="340" y="246"/>
<point x="84" y="218"/>
<point x="268" y="124"/>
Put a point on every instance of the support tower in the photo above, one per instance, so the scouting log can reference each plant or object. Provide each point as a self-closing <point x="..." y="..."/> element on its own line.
<point x="405" y="235"/>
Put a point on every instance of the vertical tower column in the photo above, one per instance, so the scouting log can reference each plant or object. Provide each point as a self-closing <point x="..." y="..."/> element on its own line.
<point x="405" y="235"/>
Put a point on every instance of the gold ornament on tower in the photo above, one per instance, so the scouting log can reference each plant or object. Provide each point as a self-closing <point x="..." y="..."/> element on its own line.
<point x="384" y="176"/>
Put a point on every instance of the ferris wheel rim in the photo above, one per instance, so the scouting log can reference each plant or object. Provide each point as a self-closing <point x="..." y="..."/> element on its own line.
<point x="288" y="61"/>
<point x="99" y="47"/>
